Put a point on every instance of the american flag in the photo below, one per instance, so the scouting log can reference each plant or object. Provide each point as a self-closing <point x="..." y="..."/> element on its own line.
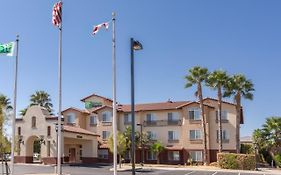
<point x="98" y="27"/>
<point x="56" y="19"/>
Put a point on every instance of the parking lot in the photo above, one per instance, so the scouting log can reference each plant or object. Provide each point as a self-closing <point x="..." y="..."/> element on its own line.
<point x="21" y="169"/>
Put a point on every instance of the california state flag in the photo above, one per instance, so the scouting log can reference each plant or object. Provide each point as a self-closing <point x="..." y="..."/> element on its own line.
<point x="8" y="49"/>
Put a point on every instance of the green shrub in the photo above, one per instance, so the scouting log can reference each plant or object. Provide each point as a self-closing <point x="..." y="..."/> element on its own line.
<point x="247" y="149"/>
<point x="236" y="161"/>
<point x="277" y="159"/>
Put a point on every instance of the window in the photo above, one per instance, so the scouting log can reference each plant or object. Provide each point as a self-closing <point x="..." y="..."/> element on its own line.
<point x="105" y="135"/>
<point x="196" y="156"/>
<point x="151" y="155"/>
<point x="71" y="118"/>
<point x="127" y="118"/>
<point x="224" y="115"/>
<point x="93" y="120"/>
<point x="48" y="148"/>
<point x="33" y="122"/>
<point x="174" y="155"/>
<point x="49" y="131"/>
<point x="151" y="135"/>
<point x="150" y="117"/>
<point x="19" y="131"/>
<point x="225" y="135"/>
<point x="173" y="135"/>
<point x="103" y="153"/>
<point x="106" y="116"/>
<point x="195" y="134"/>
<point x="173" y="116"/>
<point x="194" y="114"/>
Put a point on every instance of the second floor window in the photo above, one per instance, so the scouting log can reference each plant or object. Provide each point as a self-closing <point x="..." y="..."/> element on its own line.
<point x="71" y="118"/>
<point x="105" y="135"/>
<point x="127" y="118"/>
<point x="33" y="122"/>
<point x="93" y="120"/>
<point x="106" y="116"/>
<point x="195" y="134"/>
<point x="151" y="135"/>
<point x="173" y="135"/>
<point x="150" y="117"/>
<point x="224" y="115"/>
<point x="194" y="114"/>
<point x="173" y="116"/>
<point x="225" y="135"/>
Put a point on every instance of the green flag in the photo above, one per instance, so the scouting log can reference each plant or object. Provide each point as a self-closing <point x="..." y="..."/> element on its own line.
<point x="8" y="49"/>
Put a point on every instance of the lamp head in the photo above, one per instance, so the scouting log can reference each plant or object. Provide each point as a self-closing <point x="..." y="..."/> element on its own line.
<point x="137" y="45"/>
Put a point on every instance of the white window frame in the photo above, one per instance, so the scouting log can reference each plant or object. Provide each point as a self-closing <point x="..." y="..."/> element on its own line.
<point x="152" y="135"/>
<point x="196" y="114"/>
<point x="174" y="116"/>
<point x="196" y="156"/>
<point x="150" y="155"/>
<point x="107" y="115"/>
<point x="71" y="118"/>
<point x="175" y="135"/>
<point x="152" y="117"/>
<point x="93" y="120"/>
<point x="225" y="134"/>
<point x="129" y="118"/>
<point x="224" y="115"/>
<point x="107" y="134"/>
<point x="197" y="134"/>
<point x="174" y="157"/>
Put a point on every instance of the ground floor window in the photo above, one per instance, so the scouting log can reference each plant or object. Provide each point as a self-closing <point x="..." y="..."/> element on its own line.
<point x="174" y="155"/>
<point x="151" y="155"/>
<point x="103" y="153"/>
<point x="196" y="156"/>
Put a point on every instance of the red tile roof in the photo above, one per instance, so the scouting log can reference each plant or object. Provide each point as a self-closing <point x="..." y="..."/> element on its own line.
<point x="174" y="147"/>
<point x="73" y="129"/>
<point x="83" y="99"/>
<point x="153" y="106"/>
<point x="76" y="109"/>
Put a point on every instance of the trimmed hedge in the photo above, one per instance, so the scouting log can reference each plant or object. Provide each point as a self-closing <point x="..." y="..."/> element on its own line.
<point x="237" y="161"/>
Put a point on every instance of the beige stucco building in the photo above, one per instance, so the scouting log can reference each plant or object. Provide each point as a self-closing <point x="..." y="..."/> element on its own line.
<point x="177" y="125"/>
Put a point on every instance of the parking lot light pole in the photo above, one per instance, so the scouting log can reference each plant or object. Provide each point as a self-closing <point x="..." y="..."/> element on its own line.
<point x="135" y="45"/>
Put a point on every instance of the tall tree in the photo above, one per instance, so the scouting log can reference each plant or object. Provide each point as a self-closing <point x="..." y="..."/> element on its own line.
<point x="238" y="86"/>
<point x="157" y="148"/>
<point x="121" y="146"/>
<point x="5" y="106"/>
<point x="217" y="80"/>
<point x="41" y="98"/>
<point x="196" y="76"/>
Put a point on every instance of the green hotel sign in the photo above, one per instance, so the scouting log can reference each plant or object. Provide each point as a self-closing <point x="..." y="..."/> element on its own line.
<point x="91" y="104"/>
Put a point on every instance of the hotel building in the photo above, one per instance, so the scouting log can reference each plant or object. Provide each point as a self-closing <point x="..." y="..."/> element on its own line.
<point x="176" y="124"/>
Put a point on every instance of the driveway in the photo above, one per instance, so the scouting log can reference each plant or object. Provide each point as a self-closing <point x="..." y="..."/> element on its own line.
<point x="21" y="169"/>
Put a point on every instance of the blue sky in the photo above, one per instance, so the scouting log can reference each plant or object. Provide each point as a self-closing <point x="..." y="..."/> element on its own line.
<point x="237" y="36"/>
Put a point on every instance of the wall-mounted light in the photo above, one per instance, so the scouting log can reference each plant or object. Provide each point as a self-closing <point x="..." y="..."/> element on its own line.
<point x="21" y="140"/>
<point x="42" y="140"/>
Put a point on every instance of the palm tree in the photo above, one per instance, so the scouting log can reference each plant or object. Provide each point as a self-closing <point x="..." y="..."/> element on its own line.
<point x="41" y="98"/>
<point x="5" y="106"/>
<point x="238" y="86"/>
<point x="198" y="75"/>
<point x="217" y="80"/>
<point x="23" y="111"/>
<point x="157" y="148"/>
<point x="121" y="146"/>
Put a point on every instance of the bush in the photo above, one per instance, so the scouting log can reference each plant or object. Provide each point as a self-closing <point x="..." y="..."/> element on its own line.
<point x="247" y="149"/>
<point x="236" y="161"/>
<point x="277" y="159"/>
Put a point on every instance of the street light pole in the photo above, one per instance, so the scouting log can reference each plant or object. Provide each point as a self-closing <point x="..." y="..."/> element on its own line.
<point x="135" y="45"/>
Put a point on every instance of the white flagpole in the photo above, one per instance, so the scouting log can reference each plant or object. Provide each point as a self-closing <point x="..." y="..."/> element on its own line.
<point x="59" y="144"/>
<point x="15" y="108"/>
<point x="114" y="97"/>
